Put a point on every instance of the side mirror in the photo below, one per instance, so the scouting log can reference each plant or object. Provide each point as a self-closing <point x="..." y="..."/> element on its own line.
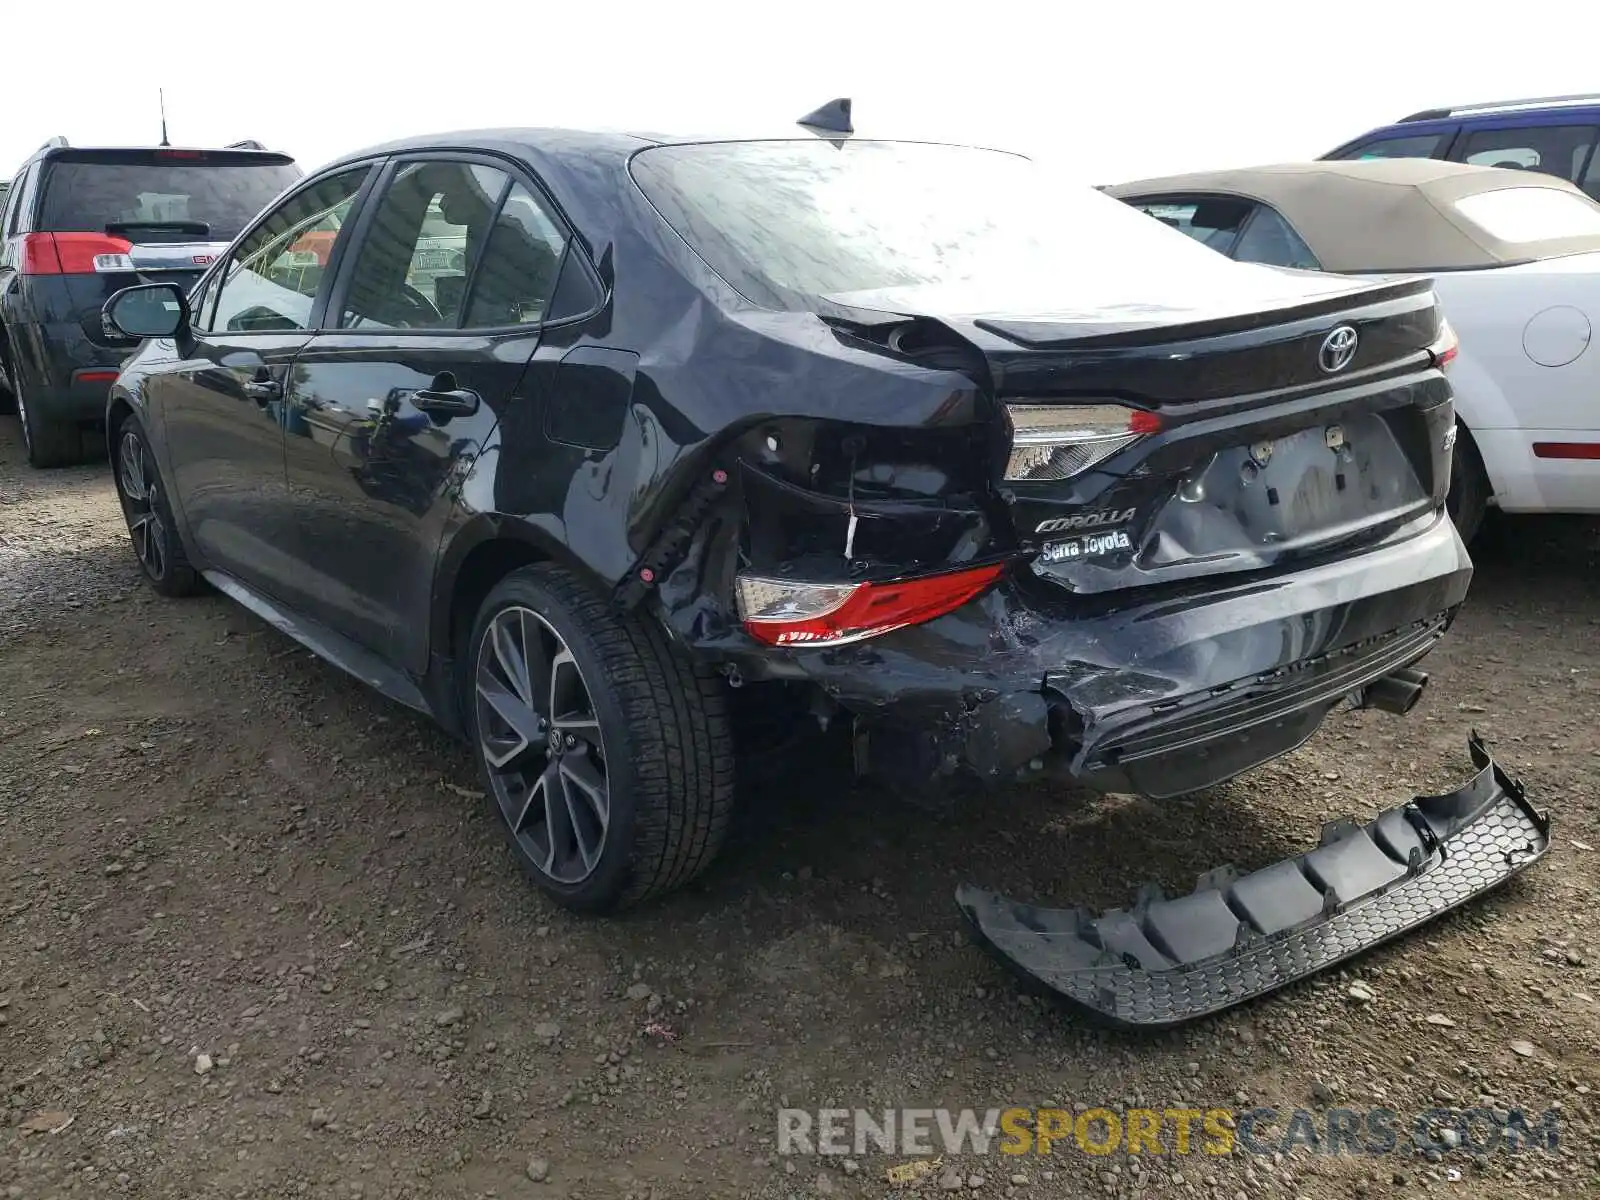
<point x="150" y="310"/>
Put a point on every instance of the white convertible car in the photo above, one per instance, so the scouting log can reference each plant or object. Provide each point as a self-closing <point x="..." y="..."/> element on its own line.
<point x="1515" y="258"/>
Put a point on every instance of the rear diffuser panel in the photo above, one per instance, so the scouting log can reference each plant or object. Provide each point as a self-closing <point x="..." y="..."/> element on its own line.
<point x="1166" y="961"/>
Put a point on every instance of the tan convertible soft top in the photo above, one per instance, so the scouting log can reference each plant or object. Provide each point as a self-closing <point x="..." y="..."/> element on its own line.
<point x="1381" y="214"/>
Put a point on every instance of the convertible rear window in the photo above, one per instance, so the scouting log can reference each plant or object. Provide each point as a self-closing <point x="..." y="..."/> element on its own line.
<point x="787" y="222"/>
<point x="1532" y="214"/>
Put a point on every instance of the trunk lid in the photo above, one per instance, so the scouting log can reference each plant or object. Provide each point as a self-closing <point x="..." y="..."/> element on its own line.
<point x="1270" y="442"/>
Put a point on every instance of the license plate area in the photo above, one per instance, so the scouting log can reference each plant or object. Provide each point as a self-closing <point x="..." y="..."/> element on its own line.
<point x="1321" y="482"/>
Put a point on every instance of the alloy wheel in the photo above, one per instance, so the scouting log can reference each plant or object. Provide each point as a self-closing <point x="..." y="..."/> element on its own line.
<point x="540" y="736"/>
<point x="141" y="489"/>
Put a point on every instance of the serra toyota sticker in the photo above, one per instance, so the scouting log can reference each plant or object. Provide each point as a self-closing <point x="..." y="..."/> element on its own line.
<point x="1090" y="545"/>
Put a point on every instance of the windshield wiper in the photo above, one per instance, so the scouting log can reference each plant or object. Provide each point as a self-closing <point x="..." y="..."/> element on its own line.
<point x="198" y="228"/>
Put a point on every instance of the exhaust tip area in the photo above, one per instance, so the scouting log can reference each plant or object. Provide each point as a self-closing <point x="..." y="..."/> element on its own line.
<point x="1396" y="692"/>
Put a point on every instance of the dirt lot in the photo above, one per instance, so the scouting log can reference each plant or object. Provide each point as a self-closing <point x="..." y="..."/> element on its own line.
<point x="259" y="937"/>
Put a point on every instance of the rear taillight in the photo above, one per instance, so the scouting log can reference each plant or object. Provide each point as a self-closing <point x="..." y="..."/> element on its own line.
<point x="787" y="612"/>
<point x="75" y="254"/>
<point x="39" y="255"/>
<point x="1058" y="441"/>
<point x="1445" y="347"/>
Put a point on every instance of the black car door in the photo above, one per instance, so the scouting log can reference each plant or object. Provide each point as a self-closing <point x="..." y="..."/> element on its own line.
<point x="438" y="309"/>
<point x="221" y="410"/>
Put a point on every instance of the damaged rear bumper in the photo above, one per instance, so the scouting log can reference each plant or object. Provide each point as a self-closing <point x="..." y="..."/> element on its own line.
<point x="1160" y="696"/>
<point x="1167" y="961"/>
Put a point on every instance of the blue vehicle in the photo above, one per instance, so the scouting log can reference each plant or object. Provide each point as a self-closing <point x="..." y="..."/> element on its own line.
<point x="1553" y="134"/>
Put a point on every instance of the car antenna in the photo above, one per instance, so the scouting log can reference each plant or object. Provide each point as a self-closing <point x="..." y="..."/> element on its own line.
<point x="832" y="118"/>
<point x="161" y="99"/>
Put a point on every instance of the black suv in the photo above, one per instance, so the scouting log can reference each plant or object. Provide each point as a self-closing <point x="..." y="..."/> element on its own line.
<point x="81" y="224"/>
<point x="589" y="445"/>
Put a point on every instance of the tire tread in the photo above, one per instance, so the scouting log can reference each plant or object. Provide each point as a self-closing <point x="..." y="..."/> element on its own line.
<point x="683" y="760"/>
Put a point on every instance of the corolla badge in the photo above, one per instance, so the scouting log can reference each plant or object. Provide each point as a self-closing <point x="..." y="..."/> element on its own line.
<point x="1337" y="349"/>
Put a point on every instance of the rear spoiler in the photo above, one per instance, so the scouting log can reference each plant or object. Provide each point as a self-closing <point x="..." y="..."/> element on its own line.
<point x="234" y="155"/>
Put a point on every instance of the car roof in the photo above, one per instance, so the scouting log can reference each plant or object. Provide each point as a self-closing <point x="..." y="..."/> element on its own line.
<point x="1381" y="214"/>
<point x="556" y="144"/>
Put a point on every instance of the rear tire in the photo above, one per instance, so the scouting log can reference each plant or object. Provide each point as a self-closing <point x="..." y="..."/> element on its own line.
<point x="48" y="443"/>
<point x="637" y="798"/>
<point x="8" y="402"/>
<point x="1468" y="498"/>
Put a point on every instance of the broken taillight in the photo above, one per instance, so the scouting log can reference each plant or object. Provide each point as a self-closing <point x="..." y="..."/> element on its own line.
<point x="1445" y="347"/>
<point x="1058" y="441"/>
<point x="789" y="612"/>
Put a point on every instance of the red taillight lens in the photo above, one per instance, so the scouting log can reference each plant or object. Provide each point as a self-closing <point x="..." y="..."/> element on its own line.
<point x="786" y="612"/>
<point x="88" y="253"/>
<point x="75" y="254"/>
<point x="39" y="255"/>
<point x="1445" y="347"/>
<point x="1057" y="441"/>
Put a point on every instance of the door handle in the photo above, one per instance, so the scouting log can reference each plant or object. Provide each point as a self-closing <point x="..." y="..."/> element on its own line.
<point x="263" y="390"/>
<point x="458" y="402"/>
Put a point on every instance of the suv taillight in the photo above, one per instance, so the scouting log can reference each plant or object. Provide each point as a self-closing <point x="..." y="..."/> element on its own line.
<point x="75" y="254"/>
<point x="790" y="612"/>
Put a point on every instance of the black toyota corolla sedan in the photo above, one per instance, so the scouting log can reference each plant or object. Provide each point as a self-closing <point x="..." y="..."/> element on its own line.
<point x="578" y="441"/>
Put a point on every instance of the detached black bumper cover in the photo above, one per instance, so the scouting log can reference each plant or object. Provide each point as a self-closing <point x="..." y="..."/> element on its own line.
<point x="1240" y="936"/>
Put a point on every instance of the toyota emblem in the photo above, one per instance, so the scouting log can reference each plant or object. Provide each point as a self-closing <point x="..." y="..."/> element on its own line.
<point x="1337" y="349"/>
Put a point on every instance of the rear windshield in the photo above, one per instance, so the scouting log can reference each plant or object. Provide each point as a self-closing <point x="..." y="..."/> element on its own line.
<point x="89" y="196"/>
<point x="1532" y="214"/>
<point x="787" y="222"/>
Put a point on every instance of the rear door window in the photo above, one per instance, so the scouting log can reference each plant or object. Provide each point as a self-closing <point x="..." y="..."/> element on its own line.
<point x="1413" y="145"/>
<point x="516" y="277"/>
<point x="194" y="200"/>
<point x="412" y="263"/>
<point x="1562" y="150"/>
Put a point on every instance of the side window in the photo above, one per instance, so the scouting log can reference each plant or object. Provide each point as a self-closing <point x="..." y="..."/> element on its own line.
<point x="1561" y="150"/>
<point x="1269" y="239"/>
<point x="411" y="266"/>
<point x="14" y="200"/>
<point x="516" y="277"/>
<point x="1416" y="145"/>
<point x="271" y="279"/>
<point x="1213" y="222"/>
<point x="1591" y="178"/>
<point x="18" y="199"/>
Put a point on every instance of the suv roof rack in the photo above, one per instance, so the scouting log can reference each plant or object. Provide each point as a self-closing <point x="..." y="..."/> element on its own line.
<point x="246" y="144"/>
<point x="1487" y="106"/>
<point x="54" y="143"/>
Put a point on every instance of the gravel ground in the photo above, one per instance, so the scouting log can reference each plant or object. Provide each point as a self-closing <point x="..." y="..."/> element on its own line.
<point x="260" y="938"/>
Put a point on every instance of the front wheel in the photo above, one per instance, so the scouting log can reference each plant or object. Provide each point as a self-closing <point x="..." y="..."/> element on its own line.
<point x="607" y="752"/>
<point x="149" y="516"/>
